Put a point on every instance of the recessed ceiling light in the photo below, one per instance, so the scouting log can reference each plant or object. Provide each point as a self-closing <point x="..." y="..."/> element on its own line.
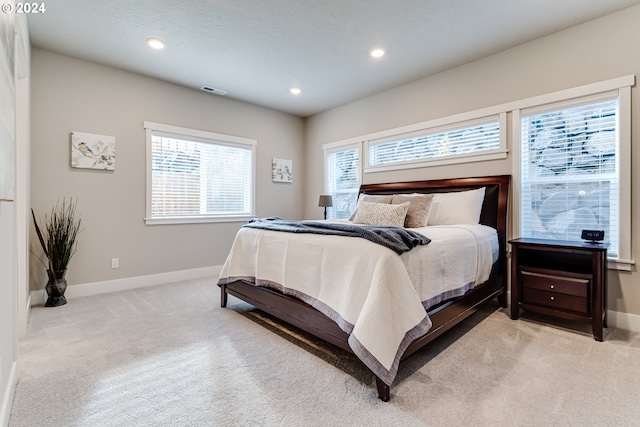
<point x="155" y="43"/>
<point x="377" y="52"/>
<point x="295" y="91"/>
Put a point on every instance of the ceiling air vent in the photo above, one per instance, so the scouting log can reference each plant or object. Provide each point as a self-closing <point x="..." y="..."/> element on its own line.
<point x="213" y="90"/>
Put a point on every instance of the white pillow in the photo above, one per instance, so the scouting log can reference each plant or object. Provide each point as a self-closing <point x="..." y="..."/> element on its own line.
<point x="381" y="214"/>
<point x="461" y="207"/>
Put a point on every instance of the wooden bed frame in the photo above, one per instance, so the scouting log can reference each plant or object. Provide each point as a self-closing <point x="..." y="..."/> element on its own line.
<point x="444" y="316"/>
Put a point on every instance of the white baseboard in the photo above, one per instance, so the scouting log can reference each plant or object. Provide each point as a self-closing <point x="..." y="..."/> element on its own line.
<point x="7" y="399"/>
<point x="95" y="288"/>
<point x="630" y="322"/>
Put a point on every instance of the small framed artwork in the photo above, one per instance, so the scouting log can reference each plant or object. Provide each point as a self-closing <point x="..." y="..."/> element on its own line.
<point x="93" y="151"/>
<point x="282" y="170"/>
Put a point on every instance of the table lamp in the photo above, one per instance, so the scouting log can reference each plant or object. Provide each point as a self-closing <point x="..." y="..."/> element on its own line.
<point x="325" y="202"/>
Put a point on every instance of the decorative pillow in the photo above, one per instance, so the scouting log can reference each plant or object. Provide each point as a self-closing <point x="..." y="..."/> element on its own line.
<point x="461" y="207"/>
<point x="419" y="208"/>
<point x="384" y="198"/>
<point x="381" y="214"/>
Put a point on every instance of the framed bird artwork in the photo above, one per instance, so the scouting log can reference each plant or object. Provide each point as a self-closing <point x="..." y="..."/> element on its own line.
<point x="93" y="151"/>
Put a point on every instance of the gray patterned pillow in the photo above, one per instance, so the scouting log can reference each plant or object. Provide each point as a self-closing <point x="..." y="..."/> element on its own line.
<point x="419" y="208"/>
<point x="381" y="214"/>
<point x="383" y="198"/>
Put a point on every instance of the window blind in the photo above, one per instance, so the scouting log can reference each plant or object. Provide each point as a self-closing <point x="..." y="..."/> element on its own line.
<point x="569" y="170"/>
<point x="343" y="181"/>
<point x="436" y="143"/>
<point x="196" y="177"/>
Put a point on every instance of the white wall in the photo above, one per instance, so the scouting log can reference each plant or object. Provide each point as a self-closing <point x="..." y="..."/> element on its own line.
<point x="23" y="144"/>
<point x="74" y="95"/>
<point x="8" y="319"/>
<point x="598" y="50"/>
<point x="8" y="234"/>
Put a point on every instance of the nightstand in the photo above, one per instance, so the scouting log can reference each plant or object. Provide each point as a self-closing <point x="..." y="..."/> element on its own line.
<point x="558" y="278"/>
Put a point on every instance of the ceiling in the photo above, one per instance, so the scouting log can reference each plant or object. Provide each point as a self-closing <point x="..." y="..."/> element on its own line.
<point x="256" y="50"/>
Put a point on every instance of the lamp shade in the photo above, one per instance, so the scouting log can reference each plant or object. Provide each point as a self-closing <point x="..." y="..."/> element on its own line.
<point x="325" y="201"/>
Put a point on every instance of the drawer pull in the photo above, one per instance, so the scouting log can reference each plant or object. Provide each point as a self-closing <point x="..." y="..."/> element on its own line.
<point x="552" y="286"/>
<point x="552" y="298"/>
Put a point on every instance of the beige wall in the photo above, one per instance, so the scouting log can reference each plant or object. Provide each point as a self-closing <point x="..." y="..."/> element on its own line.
<point x="74" y="95"/>
<point x="599" y="50"/>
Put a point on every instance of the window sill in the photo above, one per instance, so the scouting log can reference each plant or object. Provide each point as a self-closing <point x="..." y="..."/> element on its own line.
<point x="620" y="264"/>
<point x="197" y="220"/>
<point x="449" y="160"/>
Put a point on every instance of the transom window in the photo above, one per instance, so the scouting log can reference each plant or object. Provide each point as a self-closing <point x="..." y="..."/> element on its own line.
<point x="436" y="144"/>
<point x="197" y="176"/>
<point x="464" y="138"/>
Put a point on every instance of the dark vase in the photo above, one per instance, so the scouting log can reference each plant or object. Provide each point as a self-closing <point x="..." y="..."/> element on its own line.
<point x="55" y="289"/>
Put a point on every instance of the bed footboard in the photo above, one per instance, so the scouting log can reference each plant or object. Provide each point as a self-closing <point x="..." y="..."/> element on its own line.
<point x="305" y="317"/>
<point x="296" y="313"/>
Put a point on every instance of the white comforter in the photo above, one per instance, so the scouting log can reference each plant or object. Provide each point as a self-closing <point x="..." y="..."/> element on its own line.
<point x="372" y="293"/>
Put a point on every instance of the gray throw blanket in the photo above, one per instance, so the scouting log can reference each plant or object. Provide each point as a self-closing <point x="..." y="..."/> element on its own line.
<point x="397" y="239"/>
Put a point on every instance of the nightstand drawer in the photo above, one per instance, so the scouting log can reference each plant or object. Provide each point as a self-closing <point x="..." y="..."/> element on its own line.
<point x="555" y="284"/>
<point x="555" y="300"/>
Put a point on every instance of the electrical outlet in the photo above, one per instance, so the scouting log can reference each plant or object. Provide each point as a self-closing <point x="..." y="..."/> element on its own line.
<point x="115" y="263"/>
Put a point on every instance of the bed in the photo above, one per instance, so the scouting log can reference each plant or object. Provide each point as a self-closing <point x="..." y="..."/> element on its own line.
<point x="392" y="319"/>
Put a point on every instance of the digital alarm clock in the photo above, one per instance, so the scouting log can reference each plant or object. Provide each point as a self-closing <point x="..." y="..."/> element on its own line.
<point x="593" y="236"/>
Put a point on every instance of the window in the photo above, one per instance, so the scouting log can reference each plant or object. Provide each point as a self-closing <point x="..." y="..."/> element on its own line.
<point x="452" y="140"/>
<point x="569" y="172"/>
<point x="574" y="168"/>
<point x="342" y="172"/>
<point x="197" y="176"/>
<point x="571" y="160"/>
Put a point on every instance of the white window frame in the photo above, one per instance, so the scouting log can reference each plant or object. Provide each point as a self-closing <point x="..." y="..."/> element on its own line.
<point x="623" y="86"/>
<point x="186" y="133"/>
<point x="450" y="123"/>
<point x="344" y="145"/>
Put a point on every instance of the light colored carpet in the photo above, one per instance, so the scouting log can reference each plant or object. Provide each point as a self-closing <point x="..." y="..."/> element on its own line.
<point x="171" y="356"/>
